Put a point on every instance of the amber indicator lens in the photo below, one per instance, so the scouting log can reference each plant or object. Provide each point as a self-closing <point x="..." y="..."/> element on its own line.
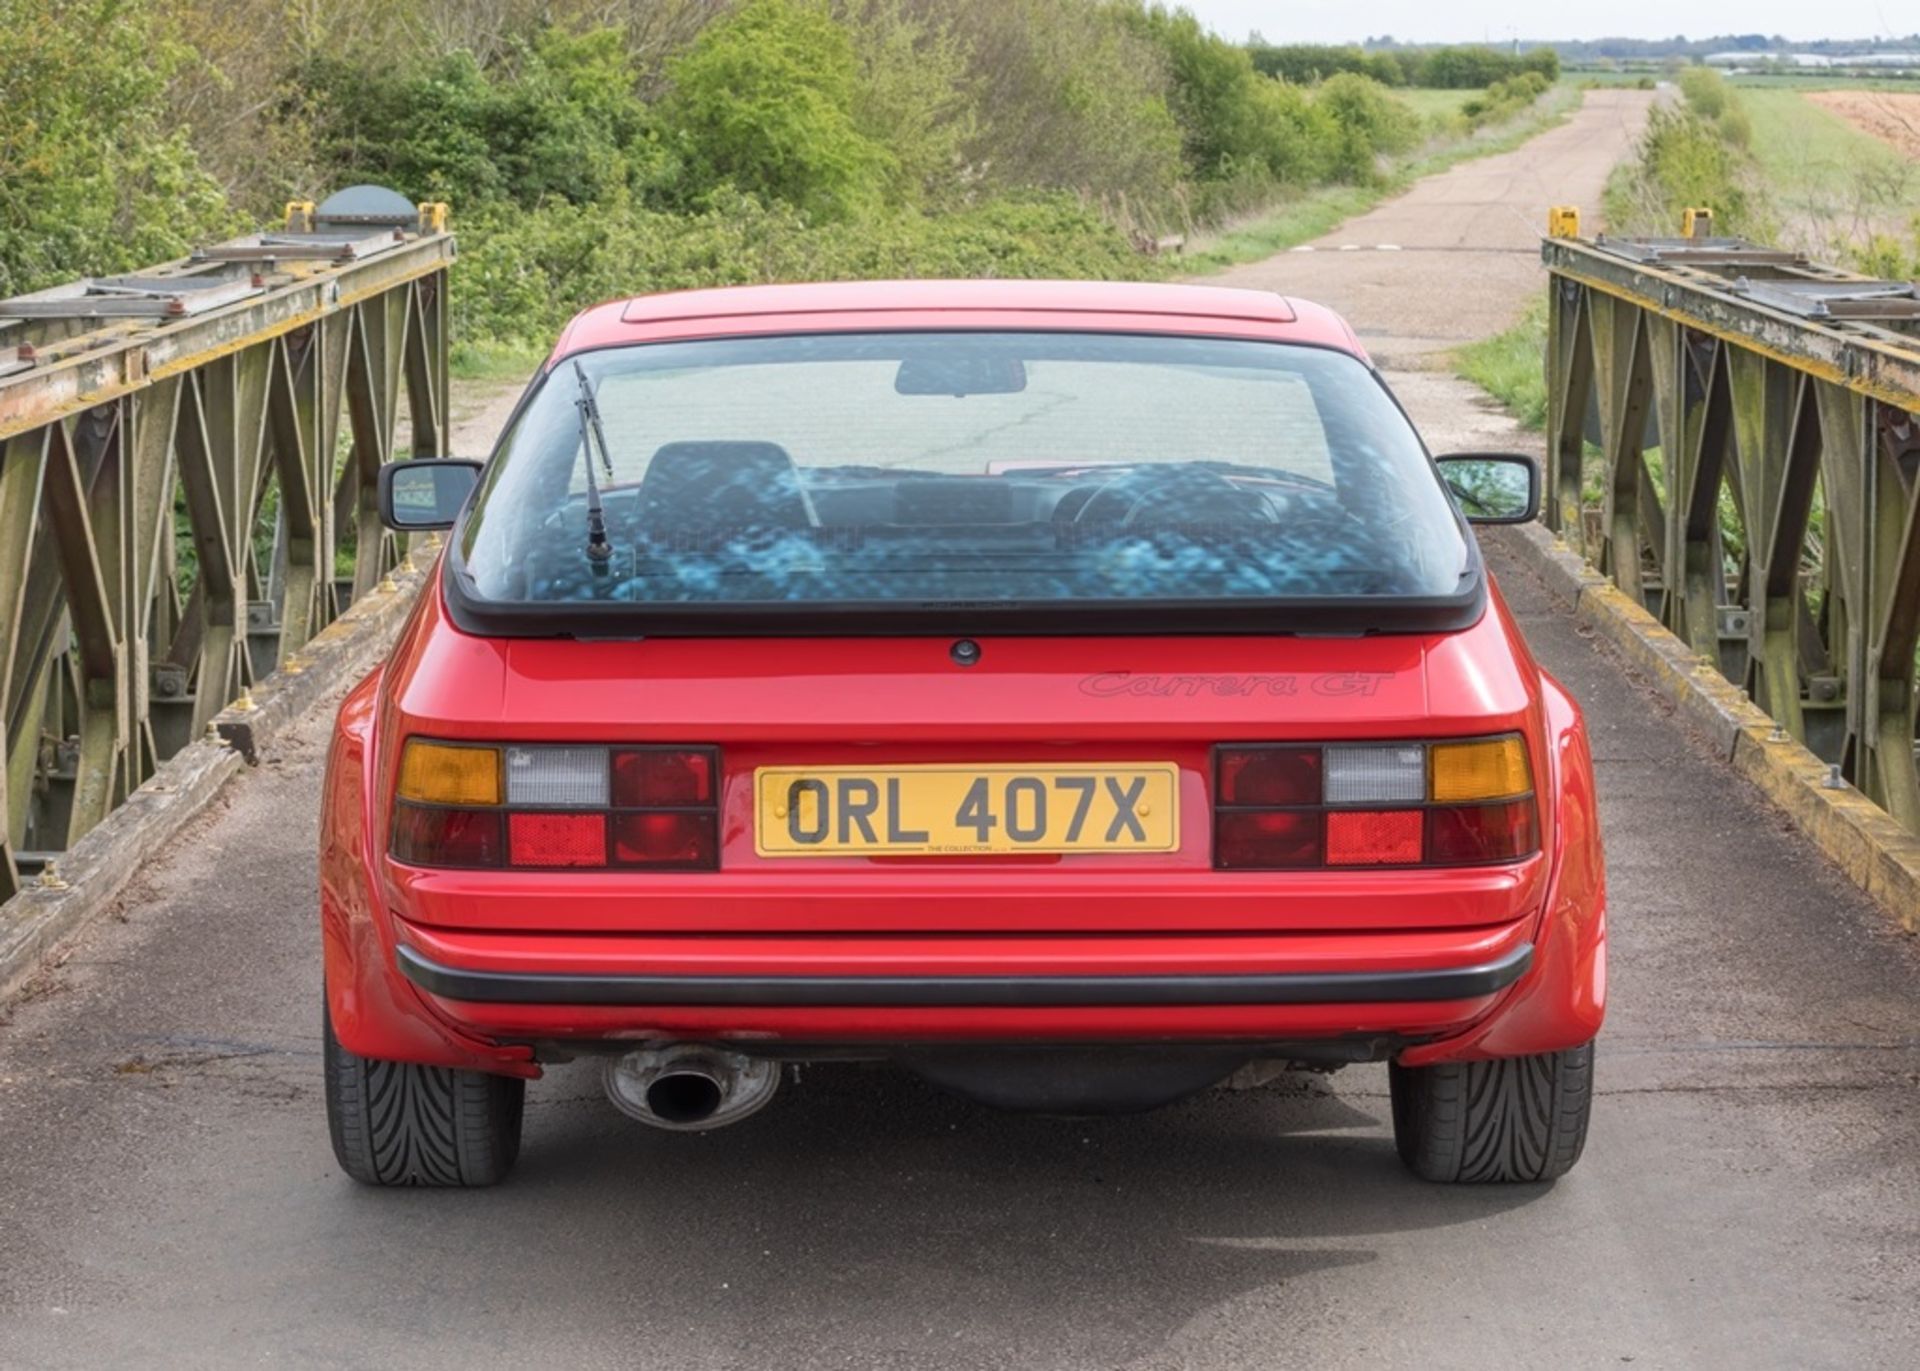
<point x="450" y="774"/>
<point x="1483" y="769"/>
<point x="1269" y="776"/>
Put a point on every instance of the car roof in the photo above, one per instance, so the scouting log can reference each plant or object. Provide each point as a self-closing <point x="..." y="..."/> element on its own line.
<point x="1101" y="306"/>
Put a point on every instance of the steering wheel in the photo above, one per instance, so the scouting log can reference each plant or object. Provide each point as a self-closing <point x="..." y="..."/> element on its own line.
<point x="1182" y="496"/>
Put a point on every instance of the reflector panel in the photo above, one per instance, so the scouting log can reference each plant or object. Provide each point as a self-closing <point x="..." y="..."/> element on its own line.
<point x="1393" y="774"/>
<point x="557" y="777"/>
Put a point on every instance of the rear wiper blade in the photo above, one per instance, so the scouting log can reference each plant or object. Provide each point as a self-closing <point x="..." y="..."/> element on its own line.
<point x="599" y="550"/>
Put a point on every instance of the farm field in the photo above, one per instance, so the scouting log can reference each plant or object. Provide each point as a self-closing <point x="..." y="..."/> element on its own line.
<point x="1833" y="184"/>
<point x="1891" y="116"/>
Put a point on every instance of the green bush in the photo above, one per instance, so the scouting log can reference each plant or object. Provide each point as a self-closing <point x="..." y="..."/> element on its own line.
<point x="523" y="275"/>
<point x="1684" y="161"/>
<point x="1446" y="68"/>
<point x="1307" y="63"/>
<point x="764" y="101"/>
<point x="911" y="95"/>
<point x="1464" y="68"/>
<point x="1071" y="96"/>
<point x="94" y="175"/>
<point x="1693" y="155"/>
<point x="558" y="118"/>
<point x="1504" y="99"/>
<point x="1705" y="90"/>
<point x="1368" y="122"/>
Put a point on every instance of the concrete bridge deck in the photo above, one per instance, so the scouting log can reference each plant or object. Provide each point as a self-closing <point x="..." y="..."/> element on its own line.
<point x="1747" y="1198"/>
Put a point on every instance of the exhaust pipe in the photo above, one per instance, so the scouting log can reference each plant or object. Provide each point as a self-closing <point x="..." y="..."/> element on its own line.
<point x="688" y="1088"/>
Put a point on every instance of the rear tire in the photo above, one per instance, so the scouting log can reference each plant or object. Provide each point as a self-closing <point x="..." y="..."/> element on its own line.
<point x="396" y="1123"/>
<point x="1512" y="1119"/>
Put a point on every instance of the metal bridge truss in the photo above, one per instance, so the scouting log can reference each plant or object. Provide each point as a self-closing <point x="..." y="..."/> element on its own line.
<point x="187" y="487"/>
<point x="1734" y="438"/>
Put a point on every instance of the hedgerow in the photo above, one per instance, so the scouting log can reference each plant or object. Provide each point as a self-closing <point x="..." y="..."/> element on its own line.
<point x="690" y="143"/>
<point x="1692" y="155"/>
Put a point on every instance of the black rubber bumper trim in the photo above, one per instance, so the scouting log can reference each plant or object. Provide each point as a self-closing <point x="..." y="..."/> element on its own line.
<point x="914" y="992"/>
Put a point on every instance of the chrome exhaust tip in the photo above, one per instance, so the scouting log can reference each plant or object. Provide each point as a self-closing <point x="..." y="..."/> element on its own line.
<point x="688" y="1088"/>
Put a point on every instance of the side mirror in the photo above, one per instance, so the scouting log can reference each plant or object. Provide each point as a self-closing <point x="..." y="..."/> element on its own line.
<point x="425" y="493"/>
<point x="1492" y="487"/>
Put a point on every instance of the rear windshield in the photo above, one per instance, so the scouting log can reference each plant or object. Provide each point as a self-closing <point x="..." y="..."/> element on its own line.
<point x="980" y="469"/>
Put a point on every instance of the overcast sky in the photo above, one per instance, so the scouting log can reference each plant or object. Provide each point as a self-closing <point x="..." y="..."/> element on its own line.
<point x="1334" y="21"/>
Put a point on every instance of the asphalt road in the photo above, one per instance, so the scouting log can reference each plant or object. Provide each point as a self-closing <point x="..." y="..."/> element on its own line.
<point x="1748" y="1198"/>
<point x="1455" y="258"/>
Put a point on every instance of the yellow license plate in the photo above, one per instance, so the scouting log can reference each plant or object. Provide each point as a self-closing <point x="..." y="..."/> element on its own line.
<point x="829" y="811"/>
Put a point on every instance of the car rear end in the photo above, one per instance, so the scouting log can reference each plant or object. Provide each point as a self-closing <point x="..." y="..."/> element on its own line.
<point x="1089" y="856"/>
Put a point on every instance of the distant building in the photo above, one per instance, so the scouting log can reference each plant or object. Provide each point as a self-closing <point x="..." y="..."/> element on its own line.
<point x="1878" y="61"/>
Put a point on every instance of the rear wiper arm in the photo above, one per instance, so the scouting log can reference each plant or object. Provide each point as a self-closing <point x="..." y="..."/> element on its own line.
<point x="599" y="550"/>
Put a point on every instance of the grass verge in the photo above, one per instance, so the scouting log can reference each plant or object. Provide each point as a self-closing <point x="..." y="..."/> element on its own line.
<point x="1317" y="212"/>
<point x="1833" y="185"/>
<point x="1509" y="366"/>
<point x="491" y="361"/>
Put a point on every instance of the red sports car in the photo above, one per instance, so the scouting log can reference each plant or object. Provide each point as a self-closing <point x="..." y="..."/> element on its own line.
<point x="1075" y="693"/>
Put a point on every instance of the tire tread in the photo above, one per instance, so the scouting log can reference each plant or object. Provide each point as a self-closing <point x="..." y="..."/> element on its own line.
<point x="1511" y="1119"/>
<point x="402" y="1124"/>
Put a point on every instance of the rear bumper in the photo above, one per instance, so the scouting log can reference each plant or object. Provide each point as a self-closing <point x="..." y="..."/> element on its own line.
<point x="482" y="987"/>
<point x="1410" y="986"/>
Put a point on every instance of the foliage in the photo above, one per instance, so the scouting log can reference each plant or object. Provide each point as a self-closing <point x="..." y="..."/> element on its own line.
<point x="591" y="149"/>
<point x="1464" y="68"/>
<point x="1069" y="96"/>
<point x="1692" y="155"/>
<point x="764" y="101"/>
<point x="522" y="276"/>
<point x="1367" y="122"/>
<point x="1307" y="63"/>
<point x="1511" y="367"/>
<point x="558" y="117"/>
<point x="93" y="175"/>
<point x="1885" y="255"/>
<point x="911" y="96"/>
<point x="1446" y="68"/>
<point x="1503" y="99"/>
<point x="1303" y="215"/>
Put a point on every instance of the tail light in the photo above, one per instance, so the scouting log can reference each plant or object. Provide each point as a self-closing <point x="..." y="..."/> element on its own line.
<point x="557" y="807"/>
<point x="1455" y="803"/>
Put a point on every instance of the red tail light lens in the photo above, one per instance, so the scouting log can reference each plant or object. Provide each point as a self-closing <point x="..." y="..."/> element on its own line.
<point x="1469" y="834"/>
<point x="1269" y="776"/>
<point x="424" y="836"/>
<point x="553" y="806"/>
<point x="654" y="777"/>
<point x="666" y="840"/>
<point x="557" y="839"/>
<point x="1267" y="838"/>
<point x="1365" y="837"/>
<point x="1452" y="802"/>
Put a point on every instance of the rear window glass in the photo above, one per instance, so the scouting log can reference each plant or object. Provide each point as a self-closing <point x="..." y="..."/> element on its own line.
<point x="1013" y="469"/>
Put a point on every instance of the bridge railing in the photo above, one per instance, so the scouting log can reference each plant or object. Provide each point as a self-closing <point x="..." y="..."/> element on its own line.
<point x="1734" y="439"/>
<point x="187" y="487"/>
